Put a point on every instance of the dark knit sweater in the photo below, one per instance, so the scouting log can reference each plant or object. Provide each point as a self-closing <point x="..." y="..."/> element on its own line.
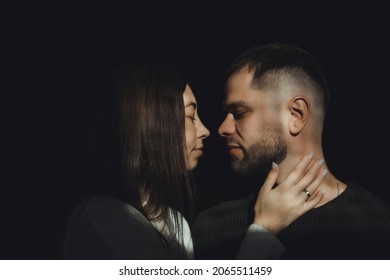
<point x="355" y="225"/>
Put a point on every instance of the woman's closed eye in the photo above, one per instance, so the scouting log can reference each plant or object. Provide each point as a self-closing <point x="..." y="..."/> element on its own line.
<point x="192" y="117"/>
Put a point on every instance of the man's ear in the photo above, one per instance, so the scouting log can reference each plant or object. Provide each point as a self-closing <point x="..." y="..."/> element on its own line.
<point x="299" y="108"/>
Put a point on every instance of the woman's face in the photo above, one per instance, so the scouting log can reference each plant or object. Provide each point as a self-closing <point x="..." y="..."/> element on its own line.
<point x="195" y="131"/>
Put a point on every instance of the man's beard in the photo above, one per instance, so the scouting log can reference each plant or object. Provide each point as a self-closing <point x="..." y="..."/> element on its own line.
<point x="271" y="147"/>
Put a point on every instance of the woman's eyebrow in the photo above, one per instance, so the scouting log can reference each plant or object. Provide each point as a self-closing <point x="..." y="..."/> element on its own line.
<point x="189" y="104"/>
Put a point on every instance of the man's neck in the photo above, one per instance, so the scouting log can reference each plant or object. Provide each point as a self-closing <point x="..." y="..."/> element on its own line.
<point x="332" y="186"/>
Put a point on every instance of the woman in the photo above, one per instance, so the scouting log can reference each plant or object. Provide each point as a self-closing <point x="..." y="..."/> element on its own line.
<point x="153" y="139"/>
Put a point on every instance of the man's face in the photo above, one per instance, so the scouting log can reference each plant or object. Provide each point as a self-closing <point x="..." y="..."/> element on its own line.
<point x="252" y="126"/>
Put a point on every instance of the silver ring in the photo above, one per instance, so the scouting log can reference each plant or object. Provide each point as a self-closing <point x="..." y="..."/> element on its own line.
<point x="307" y="193"/>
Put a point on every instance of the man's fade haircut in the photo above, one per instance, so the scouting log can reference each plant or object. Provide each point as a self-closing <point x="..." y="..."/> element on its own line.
<point x="274" y="63"/>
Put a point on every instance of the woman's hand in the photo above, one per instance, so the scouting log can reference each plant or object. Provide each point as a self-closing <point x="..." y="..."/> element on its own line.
<point x="278" y="207"/>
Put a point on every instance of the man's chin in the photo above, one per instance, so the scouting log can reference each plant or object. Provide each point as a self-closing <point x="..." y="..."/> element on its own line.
<point x="252" y="171"/>
<point x="241" y="168"/>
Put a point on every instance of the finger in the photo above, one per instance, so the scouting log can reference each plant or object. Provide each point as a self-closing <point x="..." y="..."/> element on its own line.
<point x="298" y="170"/>
<point x="311" y="175"/>
<point x="268" y="184"/>
<point x="271" y="178"/>
<point x="313" y="201"/>
<point x="312" y="188"/>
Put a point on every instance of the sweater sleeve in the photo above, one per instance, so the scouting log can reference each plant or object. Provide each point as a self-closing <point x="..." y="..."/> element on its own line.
<point x="260" y="244"/>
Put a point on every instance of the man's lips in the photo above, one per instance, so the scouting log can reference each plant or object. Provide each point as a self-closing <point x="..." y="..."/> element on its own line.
<point x="233" y="146"/>
<point x="234" y="150"/>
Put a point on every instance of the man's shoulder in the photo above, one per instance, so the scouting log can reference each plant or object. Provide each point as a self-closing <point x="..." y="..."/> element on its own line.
<point x="364" y="205"/>
<point x="362" y="195"/>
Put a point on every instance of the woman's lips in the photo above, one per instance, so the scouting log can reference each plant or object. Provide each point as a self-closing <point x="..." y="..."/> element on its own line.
<point x="199" y="150"/>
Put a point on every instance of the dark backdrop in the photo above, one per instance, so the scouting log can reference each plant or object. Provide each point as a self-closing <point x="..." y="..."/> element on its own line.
<point x="57" y="62"/>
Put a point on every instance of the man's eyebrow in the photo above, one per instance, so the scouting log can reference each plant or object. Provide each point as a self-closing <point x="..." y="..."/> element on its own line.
<point x="234" y="105"/>
<point x="191" y="103"/>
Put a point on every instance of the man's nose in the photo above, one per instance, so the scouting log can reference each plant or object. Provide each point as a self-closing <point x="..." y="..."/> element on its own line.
<point x="227" y="127"/>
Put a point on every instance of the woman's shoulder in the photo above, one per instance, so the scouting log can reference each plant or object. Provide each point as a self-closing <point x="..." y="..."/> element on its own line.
<point x="118" y="229"/>
<point x="101" y="210"/>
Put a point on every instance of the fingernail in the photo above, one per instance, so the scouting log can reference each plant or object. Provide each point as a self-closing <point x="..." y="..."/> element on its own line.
<point x="274" y="165"/>
<point x="324" y="172"/>
<point x="321" y="161"/>
<point x="324" y="190"/>
<point x="311" y="155"/>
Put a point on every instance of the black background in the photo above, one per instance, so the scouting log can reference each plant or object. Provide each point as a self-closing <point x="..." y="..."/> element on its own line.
<point x="56" y="59"/>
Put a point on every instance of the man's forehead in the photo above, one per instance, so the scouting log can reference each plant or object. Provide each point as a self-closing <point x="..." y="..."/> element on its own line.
<point x="243" y="95"/>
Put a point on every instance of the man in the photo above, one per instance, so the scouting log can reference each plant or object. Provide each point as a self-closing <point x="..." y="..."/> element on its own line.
<point x="276" y="100"/>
